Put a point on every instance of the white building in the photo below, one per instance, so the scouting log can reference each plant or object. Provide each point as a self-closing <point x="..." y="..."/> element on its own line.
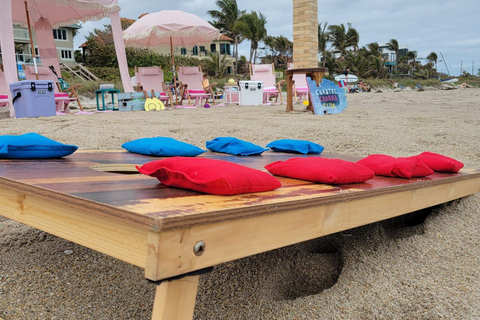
<point x="63" y="41"/>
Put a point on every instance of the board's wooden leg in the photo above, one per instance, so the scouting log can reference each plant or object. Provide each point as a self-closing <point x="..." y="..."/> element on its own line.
<point x="175" y="300"/>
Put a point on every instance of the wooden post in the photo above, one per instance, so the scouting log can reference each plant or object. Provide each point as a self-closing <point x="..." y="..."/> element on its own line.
<point x="305" y="33"/>
<point x="34" y="58"/>
<point x="176" y="299"/>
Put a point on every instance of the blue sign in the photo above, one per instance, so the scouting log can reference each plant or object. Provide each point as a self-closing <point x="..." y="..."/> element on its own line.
<point x="327" y="97"/>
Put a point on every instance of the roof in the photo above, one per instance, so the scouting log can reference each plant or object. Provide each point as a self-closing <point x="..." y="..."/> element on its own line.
<point x="225" y="38"/>
<point x="128" y="20"/>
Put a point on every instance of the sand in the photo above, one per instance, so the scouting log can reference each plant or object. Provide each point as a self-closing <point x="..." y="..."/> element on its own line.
<point x="421" y="266"/>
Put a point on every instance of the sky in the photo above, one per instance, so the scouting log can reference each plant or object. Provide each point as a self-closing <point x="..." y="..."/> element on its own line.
<point x="449" y="28"/>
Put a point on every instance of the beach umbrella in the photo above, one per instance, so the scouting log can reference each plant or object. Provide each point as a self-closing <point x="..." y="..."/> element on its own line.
<point x="47" y="14"/>
<point x="62" y="12"/>
<point x="170" y="28"/>
<point x="43" y="15"/>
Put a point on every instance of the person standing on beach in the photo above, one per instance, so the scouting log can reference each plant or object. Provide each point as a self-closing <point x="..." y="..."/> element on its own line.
<point x="345" y="72"/>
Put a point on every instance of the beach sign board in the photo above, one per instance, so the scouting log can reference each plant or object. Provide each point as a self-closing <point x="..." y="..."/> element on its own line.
<point x="327" y="97"/>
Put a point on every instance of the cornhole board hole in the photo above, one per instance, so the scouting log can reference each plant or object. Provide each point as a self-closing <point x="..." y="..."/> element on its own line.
<point x="95" y="199"/>
<point x="33" y="98"/>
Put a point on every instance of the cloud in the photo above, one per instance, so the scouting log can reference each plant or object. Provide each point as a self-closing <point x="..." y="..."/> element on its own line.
<point x="422" y="25"/>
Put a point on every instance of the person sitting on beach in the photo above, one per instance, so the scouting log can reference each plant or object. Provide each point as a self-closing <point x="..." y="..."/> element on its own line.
<point x="465" y="85"/>
<point x="206" y="84"/>
<point x="363" y="86"/>
<point x="353" y="89"/>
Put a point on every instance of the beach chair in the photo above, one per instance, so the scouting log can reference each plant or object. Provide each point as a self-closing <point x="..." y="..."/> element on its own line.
<point x="191" y="85"/>
<point x="62" y="97"/>
<point x="300" y="87"/>
<point x="151" y="78"/>
<point x="4" y="88"/>
<point x="266" y="73"/>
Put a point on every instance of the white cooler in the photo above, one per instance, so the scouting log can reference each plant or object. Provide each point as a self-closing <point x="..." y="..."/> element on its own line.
<point x="251" y="93"/>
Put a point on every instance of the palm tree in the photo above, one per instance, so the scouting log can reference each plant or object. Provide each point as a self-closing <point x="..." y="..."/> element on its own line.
<point x="271" y="53"/>
<point x="330" y="63"/>
<point x="252" y="27"/>
<point x="412" y="60"/>
<point x="323" y="40"/>
<point x="353" y="37"/>
<point x="433" y="58"/>
<point x="373" y="49"/>
<point x="282" y="48"/>
<point x="393" y="45"/>
<point x="343" y="38"/>
<point x="402" y="63"/>
<point x="358" y="63"/>
<point x="378" y="68"/>
<point x="226" y="19"/>
<point x="218" y="64"/>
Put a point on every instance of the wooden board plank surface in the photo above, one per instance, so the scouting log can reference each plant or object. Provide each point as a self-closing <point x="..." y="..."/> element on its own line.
<point x="78" y="182"/>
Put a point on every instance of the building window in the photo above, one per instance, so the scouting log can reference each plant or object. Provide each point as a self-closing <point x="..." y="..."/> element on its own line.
<point x="60" y="34"/>
<point x="195" y="51"/>
<point x="202" y="49"/>
<point x="213" y="47"/>
<point x="66" y="54"/>
<point x="224" y="48"/>
<point x="183" y="51"/>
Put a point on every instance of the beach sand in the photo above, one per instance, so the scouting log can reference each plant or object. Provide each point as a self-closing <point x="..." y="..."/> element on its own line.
<point x="421" y="266"/>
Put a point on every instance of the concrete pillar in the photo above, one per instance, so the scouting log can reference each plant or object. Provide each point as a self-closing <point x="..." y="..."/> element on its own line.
<point x="305" y="34"/>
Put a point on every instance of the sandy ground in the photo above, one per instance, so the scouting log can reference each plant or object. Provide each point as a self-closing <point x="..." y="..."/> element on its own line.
<point x="421" y="266"/>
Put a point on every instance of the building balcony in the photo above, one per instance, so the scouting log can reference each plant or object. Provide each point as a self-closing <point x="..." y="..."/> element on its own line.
<point x="21" y="35"/>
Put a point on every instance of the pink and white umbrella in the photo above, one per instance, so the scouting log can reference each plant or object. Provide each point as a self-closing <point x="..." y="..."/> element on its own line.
<point x="170" y="28"/>
<point x="173" y="28"/>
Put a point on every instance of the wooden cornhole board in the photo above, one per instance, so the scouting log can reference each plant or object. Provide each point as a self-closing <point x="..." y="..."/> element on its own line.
<point x="89" y="198"/>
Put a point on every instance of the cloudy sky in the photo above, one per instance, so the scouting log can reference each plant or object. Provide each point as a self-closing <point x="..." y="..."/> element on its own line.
<point x="447" y="27"/>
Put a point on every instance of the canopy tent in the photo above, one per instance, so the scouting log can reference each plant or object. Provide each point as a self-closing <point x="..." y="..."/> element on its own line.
<point x="48" y="14"/>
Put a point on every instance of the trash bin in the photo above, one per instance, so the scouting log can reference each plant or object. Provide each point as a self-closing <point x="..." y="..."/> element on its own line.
<point x="251" y="93"/>
<point x="33" y="98"/>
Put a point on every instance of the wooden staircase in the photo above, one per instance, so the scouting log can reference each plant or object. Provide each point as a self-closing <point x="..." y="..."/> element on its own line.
<point x="79" y="71"/>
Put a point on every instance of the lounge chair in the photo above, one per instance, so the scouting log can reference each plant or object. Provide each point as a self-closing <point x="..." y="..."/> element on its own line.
<point x="191" y="87"/>
<point x="151" y="78"/>
<point x="3" y="89"/>
<point x="62" y="98"/>
<point x="300" y="87"/>
<point x="266" y="73"/>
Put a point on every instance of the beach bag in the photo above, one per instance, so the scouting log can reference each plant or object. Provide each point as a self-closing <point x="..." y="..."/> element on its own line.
<point x="63" y="84"/>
